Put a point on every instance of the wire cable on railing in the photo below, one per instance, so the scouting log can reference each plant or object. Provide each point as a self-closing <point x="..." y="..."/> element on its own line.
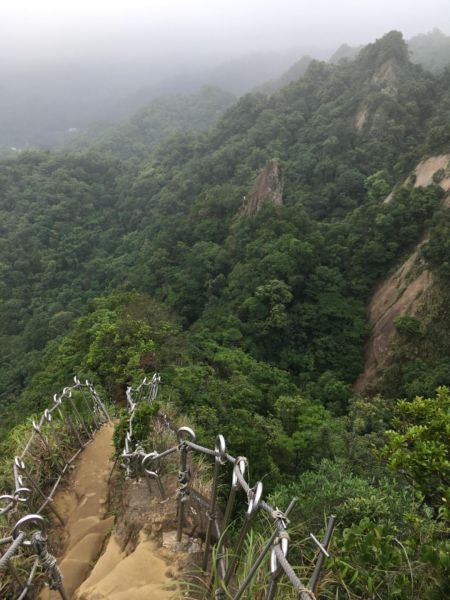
<point x="48" y="562"/>
<point x="27" y="587"/>
<point x="6" y="540"/>
<point x="28" y="488"/>
<point x="305" y="593"/>
<point x="12" y="551"/>
<point x="149" y="464"/>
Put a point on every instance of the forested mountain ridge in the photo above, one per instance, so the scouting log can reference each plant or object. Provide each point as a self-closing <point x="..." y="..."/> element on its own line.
<point x="430" y="50"/>
<point x="258" y="318"/>
<point x="60" y="210"/>
<point x="294" y="72"/>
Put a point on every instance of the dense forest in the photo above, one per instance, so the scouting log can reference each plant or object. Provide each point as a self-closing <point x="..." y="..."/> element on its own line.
<point x="163" y="235"/>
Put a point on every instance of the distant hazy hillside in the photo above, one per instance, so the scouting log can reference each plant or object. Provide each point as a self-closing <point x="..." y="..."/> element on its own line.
<point x="296" y="71"/>
<point x="344" y="51"/>
<point x="27" y="119"/>
<point x="46" y="107"/>
<point x="42" y="107"/>
<point x="161" y="118"/>
<point x="431" y="50"/>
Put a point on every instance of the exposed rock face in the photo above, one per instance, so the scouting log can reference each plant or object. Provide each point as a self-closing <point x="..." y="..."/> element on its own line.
<point x="268" y="189"/>
<point x="361" y="118"/>
<point x="403" y="293"/>
<point x="142" y="558"/>
<point x="386" y="77"/>
<point x="385" y="80"/>
<point x="406" y="290"/>
<point x="426" y="171"/>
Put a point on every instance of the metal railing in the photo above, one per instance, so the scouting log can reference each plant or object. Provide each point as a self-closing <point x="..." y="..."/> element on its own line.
<point x="55" y="441"/>
<point x="137" y="461"/>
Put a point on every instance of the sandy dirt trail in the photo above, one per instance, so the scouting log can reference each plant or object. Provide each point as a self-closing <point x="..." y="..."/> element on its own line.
<point x="83" y="504"/>
<point x="139" y="576"/>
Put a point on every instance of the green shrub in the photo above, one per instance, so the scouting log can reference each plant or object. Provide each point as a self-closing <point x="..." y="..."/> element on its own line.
<point x="408" y="326"/>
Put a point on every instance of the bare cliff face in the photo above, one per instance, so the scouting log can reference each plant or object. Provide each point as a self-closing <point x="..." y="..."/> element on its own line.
<point x="435" y="169"/>
<point x="386" y="77"/>
<point x="405" y="291"/>
<point x="385" y="81"/>
<point x="268" y="189"/>
<point x="402" y="293"/>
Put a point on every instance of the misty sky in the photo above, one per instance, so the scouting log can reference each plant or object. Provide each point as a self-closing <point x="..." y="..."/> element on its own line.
<point x="42" y="31"/>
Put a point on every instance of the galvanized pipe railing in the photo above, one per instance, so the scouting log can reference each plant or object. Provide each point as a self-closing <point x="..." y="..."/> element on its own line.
<point x="79" y="412"/>
<point x="277" y="544"/>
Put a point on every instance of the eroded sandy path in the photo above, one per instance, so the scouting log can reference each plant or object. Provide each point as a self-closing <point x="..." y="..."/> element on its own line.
<point x="141" y="575"/>
<point x="83" y="506"/>
<point x="115" y="575"/>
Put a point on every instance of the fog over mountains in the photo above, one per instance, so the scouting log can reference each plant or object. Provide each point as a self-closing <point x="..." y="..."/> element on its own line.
<point x="68" y="65"/>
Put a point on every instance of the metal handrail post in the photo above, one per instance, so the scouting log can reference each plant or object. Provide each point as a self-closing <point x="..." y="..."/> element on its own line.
<point x="263" y="552"/>
<point x="183" y="492"/>
<point x="212" y="517"/>
<point x="313" y="582"/>
<point x="250" y="515"/>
